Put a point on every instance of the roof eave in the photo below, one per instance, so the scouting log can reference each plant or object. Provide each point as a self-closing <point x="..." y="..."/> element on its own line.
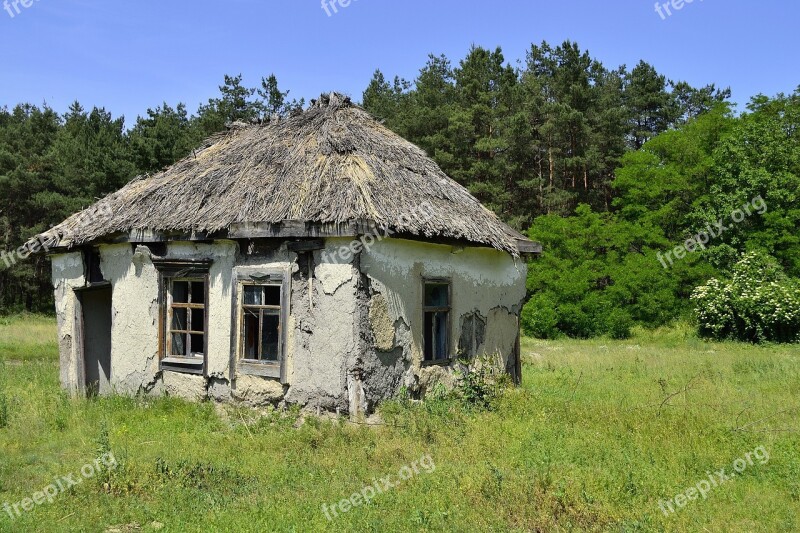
<point x="285" y="230"/>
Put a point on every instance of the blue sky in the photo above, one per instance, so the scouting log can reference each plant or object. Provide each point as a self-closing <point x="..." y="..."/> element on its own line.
<point x="131" y="55"/>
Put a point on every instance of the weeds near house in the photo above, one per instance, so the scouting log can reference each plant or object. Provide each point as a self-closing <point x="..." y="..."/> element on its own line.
<point x="481" y="381"/>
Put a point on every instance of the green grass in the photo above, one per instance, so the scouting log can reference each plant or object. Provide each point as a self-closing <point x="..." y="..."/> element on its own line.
<point x="599" y="433"/>
<point x="27" y="338"/>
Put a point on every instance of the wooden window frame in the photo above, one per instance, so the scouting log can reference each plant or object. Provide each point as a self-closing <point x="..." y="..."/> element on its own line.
<point x="192" y="271"/>
<point x="261" y="278"/>
<point x="438" y="309"/>
<point x="188" y="307"/>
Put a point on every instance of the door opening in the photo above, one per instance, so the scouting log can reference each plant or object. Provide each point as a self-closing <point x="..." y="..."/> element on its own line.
<point x="94" y="317"/>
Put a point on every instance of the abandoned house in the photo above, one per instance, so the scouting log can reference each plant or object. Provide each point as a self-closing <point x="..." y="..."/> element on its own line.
<point x="318" y="260"/>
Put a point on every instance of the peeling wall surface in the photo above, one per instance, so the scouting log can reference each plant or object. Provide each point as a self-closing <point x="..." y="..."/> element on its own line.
<point x="487" y="294"/>
<point x="353" y="331"/>
<point x="134" y="316"/>
<point x="68" y="275"/>
<point x="324" y="336"/>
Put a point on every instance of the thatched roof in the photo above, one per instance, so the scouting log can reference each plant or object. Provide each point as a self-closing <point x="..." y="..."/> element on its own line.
<point x="332" y="165"/>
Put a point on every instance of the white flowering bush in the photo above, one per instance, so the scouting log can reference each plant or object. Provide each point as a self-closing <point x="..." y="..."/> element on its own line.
<point x="758" y="304"/>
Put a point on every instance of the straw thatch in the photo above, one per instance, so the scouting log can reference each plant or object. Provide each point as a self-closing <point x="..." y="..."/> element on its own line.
<point x="332" y="163"/>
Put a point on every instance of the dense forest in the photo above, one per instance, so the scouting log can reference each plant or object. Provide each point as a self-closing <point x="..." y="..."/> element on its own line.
<point x="652" y="198"/>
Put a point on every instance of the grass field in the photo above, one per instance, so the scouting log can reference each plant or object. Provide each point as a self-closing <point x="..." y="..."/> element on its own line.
<point x="599" y="434"/>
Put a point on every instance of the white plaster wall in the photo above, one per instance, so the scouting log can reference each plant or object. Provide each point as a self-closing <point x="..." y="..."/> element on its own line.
<point x="482" y="279"/>
<point x="135" y="315"/>
<point x="323" y="341"/>
<point x="220" y="298"/>
<point x="327" y="320"/>
<point x="320" y="341"/>
<point x="67" y="274"/>
<point x="259" y="391"/>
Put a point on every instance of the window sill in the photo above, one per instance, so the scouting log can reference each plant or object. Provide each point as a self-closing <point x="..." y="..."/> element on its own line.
<point x="183" y="365"/>
<point x="439" y="362"/>
<point x="254" y="368"/>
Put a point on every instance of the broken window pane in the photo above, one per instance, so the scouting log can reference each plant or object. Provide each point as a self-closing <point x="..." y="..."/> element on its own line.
<point x="440" y="336"/>
<point x="198" y="320"/>
<point x="179" y="319"/>
<point x="253" y="295"/>
<point x="179" y="344"/>
<point x="436" y="346"/>
<point x="270" y="334"/>
<point x="436" y="295"/>
<point x="198" y="292"/>
<point x="272" y="295"/>
<point x="180" y="292"/>
<point x="198" y="345"/>
<point x="250" y="340"/>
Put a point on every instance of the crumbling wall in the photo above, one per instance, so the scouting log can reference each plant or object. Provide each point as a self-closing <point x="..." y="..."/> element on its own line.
<point x="354" y="334"/>
<point x="385" y="347"/>
<point x="488" y="290"/>
<point x="135" y="316"/>
<point x="324" y="346"/>
<point x="320" y="334"/>
<point x="67" y="275"/>
<point x="258" y="391"/>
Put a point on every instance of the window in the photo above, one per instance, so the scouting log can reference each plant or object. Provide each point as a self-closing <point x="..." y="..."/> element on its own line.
<point x="186" y="318"/>
<point x="93" y="272"/>
<point x="262" y="309"/>
<point x="183" y="333"/>
<point x="437" y="320"/>
<point x="261" y="323"/>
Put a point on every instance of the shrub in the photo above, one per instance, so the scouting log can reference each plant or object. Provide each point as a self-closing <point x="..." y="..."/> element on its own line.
<point x="758" y="304"/>
<point x="619" y="324"/>
<point x="598" y="274"/>
<point x="540" y="318"/>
